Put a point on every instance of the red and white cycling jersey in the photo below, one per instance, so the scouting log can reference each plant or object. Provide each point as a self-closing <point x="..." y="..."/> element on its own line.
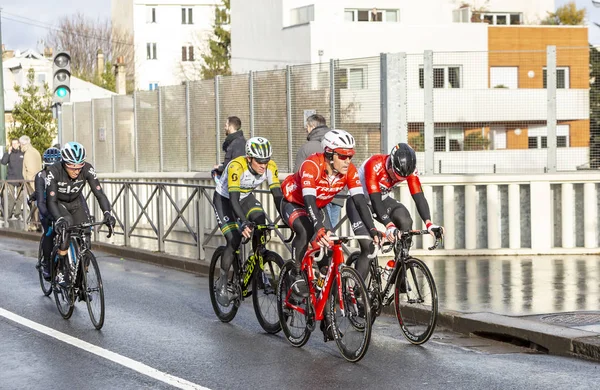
<point x="375" y="178"/>
<point x="312" y="179"/>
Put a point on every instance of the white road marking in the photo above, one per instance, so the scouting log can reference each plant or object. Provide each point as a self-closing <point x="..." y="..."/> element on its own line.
<point x="104" y="353"/>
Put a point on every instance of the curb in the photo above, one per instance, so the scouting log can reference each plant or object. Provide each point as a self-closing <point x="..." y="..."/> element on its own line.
<point x="552" y="339"/>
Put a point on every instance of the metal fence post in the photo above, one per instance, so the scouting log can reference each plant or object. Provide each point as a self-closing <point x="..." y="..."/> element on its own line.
<point x="393" y="100"/>
<point x="332" y="122"/>
<point x="551" y="120"/>
<point x="251" y="101"/>
<point x="7" y="188"/>
<point x="126" y="215"/>
<point x="160" y="218"/>
<point x="429" y="126"/>
<point x="135" y="134"/>
<point x="160" y="130"/>
<point x="288" y="99"/>
<point x="188" y="126"/>
<point x="199" y="225"/>
<point x="114" y="141"/>
<point x="92" y="119"/>
<point x="218" y="117"/>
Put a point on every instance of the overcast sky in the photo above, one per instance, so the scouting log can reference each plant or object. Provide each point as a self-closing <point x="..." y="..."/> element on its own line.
<point x="27" y="33"/>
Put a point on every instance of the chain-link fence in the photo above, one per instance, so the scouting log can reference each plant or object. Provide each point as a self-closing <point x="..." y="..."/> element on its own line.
<point x="463" y="112"/>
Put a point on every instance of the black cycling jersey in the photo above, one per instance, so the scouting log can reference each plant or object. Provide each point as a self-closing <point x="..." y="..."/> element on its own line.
<point x="60" y="188"/>
<point x="40" y="193"/>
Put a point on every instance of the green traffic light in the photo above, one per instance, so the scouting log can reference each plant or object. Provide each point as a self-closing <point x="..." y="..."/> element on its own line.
<point x="61" y="92"/>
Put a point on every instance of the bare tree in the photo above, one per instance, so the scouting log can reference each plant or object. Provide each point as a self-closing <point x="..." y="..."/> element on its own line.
<point x="83" y="37"/>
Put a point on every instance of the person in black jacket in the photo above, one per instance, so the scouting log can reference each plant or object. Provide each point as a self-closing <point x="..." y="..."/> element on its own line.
<point x="14" y="160"/>
<point x="234" y="145"/>
<point x="51" y="156"/>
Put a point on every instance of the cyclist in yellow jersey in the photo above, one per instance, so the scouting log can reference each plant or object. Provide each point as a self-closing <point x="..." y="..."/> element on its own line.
<point x="236" y="208"/>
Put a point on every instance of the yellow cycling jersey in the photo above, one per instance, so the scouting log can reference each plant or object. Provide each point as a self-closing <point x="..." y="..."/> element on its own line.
<point x="238" y="178"/>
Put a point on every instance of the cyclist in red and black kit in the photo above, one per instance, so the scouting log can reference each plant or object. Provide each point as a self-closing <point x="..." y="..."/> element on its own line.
<point x="379" y="175"/>
<point x="320" y="177"/>
<point x="64" y="184"/>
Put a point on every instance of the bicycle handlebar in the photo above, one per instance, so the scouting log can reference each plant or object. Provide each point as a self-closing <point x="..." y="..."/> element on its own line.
<point x="268" y="226"/>
<point x="86" y="225"/>
<point x="402" y="235"/>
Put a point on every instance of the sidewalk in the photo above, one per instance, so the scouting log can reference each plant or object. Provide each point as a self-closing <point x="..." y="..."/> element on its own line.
<point x="541" y="302"/>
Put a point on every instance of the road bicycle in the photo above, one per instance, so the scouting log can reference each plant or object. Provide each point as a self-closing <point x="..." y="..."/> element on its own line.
<point x="85" y="281"/>
<point x="409" y="284"/>
<point x="340" y="299"/>
<point x="45" y="284"/>
<point x="261" y="268"/>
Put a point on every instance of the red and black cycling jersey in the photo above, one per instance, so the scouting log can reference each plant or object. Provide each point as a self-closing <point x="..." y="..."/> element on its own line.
<point x="60" y="188"/>
<point x="375" y="177"/>
<point x="378" y="183"/>
<point x="312" y="179"/>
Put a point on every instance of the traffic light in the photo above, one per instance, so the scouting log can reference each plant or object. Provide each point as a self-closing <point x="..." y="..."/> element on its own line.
<point x="61" y="77"/>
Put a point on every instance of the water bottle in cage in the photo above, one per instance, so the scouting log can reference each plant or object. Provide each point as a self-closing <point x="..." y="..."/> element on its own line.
<point x="387" y="271"/>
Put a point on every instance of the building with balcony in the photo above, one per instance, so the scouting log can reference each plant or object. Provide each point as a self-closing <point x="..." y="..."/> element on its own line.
<point x="169" y="38"/>
<point x="489" y="65"/>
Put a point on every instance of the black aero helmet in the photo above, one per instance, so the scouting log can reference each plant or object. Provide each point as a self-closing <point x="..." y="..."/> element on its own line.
<point x="404" y="159"/>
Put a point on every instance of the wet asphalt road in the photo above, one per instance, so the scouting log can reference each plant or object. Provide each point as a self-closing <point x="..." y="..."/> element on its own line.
<point x="163" y="318"/>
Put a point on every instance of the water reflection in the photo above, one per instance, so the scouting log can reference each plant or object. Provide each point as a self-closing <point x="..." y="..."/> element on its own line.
<point x="518" y="286"/>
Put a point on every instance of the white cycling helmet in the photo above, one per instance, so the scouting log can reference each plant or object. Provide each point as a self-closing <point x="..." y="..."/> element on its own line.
<point x="259" y="148"/>
<point x="338" y="141"/>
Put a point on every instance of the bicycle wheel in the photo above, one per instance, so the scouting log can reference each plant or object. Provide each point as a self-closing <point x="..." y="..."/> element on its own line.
<point x="352" y="322"/>
<point x="224" y="313"/>
<point x="64" y="296"/>
<point x="416" y="302"/>
<point x="293" y="320"/>
<point x="92" y="289"/>
<point x="264" y="297"/>
<point x="46" y="285"/>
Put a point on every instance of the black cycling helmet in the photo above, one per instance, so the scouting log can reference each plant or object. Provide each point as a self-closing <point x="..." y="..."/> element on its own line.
<point x="404" y="159"/>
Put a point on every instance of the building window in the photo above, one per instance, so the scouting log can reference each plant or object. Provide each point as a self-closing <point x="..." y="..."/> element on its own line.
<point x="538" y="137"/>
<point x="503" y="19"/>
<point x="151" y="51"/>
<point x="443" y="77"/>
<point x="448" y="139"/>
<point x="187" y="53"/>
<point x="150" y="14"/>
<point x="562" y="78"/>
<point x="461" y="15"/>
<point x="356" y="78"/>
<point x="187" y="16"/>
<point x="302" y="15"/>
<point x="153" y="85"/>
<point x="372" y="15"/>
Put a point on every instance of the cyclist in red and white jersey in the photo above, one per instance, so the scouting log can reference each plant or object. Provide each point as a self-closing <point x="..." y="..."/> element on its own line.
<point x="379" y="175"/>
<point x="320" y="177"/>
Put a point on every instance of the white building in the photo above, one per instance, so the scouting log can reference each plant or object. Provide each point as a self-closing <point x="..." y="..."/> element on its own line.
<point x="169" y="37"/>
<point x="15" y="73"/>
<point x="268" y="34"/>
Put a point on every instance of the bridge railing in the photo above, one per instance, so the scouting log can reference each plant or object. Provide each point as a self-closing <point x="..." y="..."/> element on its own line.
<point x="511" y="214"/>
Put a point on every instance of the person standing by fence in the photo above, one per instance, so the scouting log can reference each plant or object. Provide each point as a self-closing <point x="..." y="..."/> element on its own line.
<point x="14" y="160"/>
<point x="32" y="164"/>
<point x="234" y="145"/>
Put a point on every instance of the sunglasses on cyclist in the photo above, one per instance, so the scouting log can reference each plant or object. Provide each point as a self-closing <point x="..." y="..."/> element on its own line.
<point x="344" y="157"/>
<point x="74" y="167"/>
<point x="262" y="160"/>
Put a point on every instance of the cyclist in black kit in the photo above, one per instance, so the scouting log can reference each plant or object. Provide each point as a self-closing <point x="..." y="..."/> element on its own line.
<point x="64" y="184"/>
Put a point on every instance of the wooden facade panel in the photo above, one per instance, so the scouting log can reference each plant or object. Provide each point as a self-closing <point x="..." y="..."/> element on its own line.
<point x="525" y="47"/>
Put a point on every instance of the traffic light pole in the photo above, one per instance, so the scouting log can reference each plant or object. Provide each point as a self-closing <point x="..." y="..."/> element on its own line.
<point x="2" y="113"/>
<point x="59" y="121"/>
